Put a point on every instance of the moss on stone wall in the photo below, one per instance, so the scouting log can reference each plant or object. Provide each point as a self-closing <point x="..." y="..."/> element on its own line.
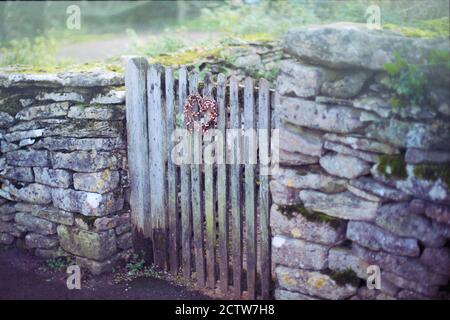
<point x="343" y="278"/>
<point x="290" y="211"/>
<point x="392" y="166"/>
<point x="433" y="172"/>
<point x="186" y="57"/>
<point x="84" y="67"/>
<point x="10" y="108"/>
<point x="257" y="37"/>
<point x="89" y="220"/>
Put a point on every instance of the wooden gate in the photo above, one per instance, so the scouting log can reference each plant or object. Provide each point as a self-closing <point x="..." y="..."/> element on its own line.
<point x="209" y="222"/>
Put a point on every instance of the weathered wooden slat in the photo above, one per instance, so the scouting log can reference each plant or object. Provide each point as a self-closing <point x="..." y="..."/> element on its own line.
<point x="172" y="180"/>
<point x="222" y="214"/>
<point x="264" y="200"/>
<point x="157" y="148"/>
<point x="250" y="200"/>
<point x="197" y="192"/>
<point x="235" y="190"/>
<point x="138" y="160"/>
<point x="209" y="200"/>
<point x="185" y="181"/>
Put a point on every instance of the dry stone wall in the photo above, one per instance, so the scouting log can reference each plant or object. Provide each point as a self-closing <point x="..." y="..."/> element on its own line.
<point x="362" y="182"/>
<point x="63" y="166"/>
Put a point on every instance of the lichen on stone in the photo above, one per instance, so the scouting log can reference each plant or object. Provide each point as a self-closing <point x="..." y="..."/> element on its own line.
<point x="433" y="172"/>
<point x="392" y="166"/>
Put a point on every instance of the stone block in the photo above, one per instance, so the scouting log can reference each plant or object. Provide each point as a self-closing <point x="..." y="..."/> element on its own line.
<point x="53" y="177"/>
<point x="281" y="294"/>
<point x="97" y="112"/>
<point x="60" y="96"/>
<point x="35" y="224"/>
<point x="48" y="213"/>
<point x="32" y="193"/>
<point x="100" y="182"/>
<point x="343" y="205"/>
<point x="379" y="189"/>
<point x="397" y="219"/>
<point x="97" y="267"/>
<point x="91" y="245"/>
<point x="437" y="259"/>
<point x="302" y="141"/>
<point x="361" y="143"/>
<point x="87" y="203"/>
<point x="6" y="238"/>
<point x="111" y="97"/>
<point x="344" y="166"/>
<point x="309" y="114"/>
<point x="23" y="174"/>
<point x="310" y="178"/>
<point x="283" y="195"/>
<point x="125" y="241"/>
<point x="28" y="158"/>
<point x="35" y="240"/>
<point x="298" y="253"/>
<point x="345" y="150"/>
<point x="312" y="283"/>
<point x="341" y="259"/>
<point x="407" y="267"/>
<point x="52" y="110"/>
<point x="375" y="238"/>
<point x="86" y="161"/>
<point x="296" y="226"/>
<point x="83" y="144"/>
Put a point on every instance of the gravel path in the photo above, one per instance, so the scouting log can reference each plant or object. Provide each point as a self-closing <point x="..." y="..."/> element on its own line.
<point x="97" y="50"/>
<point x="23" y="276"/>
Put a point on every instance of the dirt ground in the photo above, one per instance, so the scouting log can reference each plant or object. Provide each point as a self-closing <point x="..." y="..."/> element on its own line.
<point x="101" y="49"/>
<point x="23" y="276"/>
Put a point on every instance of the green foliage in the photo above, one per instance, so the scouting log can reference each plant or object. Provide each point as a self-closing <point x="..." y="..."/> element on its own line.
<point x="260" y="22"/>
<point x="59" y="264"/>
<point x="407" y="81"/>
<point x="392" y="166"/>
<point x="440" y="59"/>
<point x="436" y="28"/>
<point x="40" y="51"/>
<point x="270" y="75"/>
<point x="274" y="17"/>
<point x="155" y="46"/>
<point x="137" y="267"/>
<point x="433" y="172"/>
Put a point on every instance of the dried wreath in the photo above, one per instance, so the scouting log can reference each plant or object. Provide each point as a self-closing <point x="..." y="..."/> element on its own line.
<point x="207" y="112"/>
